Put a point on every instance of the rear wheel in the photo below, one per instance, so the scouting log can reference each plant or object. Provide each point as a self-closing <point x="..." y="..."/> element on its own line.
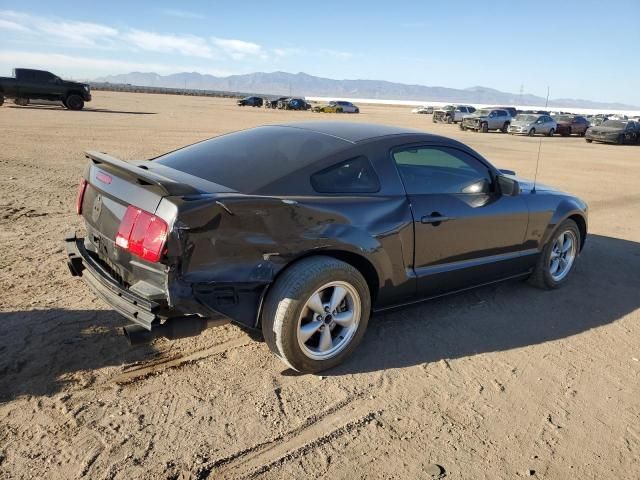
<point x="558" y="257"/>
<point x="551" y="132"/>
<point x="74" y="102"/>
<point x="462" y="127"/>
<point x="316" y="313"/>
<point x="588" y="140"/>
<point x="620" y="140"/>
<point x="484" y="128"/>
<point x="567" y="132"/>
<point x="449" y="119"/>
<point x="1" y="100"/>
<point x="23" y="102"/>
<point x="532" y="132"/>
<point x="505" y="127"/>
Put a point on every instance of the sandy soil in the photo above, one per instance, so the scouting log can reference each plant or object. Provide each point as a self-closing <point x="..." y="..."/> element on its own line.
<point x="501" y="382"/>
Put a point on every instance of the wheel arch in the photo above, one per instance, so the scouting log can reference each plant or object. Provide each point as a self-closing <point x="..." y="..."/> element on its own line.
<point x="357" y="261"/>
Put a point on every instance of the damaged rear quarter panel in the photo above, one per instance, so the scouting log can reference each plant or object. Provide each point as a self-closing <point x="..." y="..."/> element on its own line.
<point x="228" y="248"/>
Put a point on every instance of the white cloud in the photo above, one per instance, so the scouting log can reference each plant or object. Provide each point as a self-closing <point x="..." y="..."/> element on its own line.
<point x="9" y="25"/>
<point x="287" y="52"/>
<point x="336" y="53"/>
<point x="174" y="12"/>
<point x="84" y="34"/>
<point x="87" y="67"/>
<point x="238" y="49"/>
<point x="185" y="45"/>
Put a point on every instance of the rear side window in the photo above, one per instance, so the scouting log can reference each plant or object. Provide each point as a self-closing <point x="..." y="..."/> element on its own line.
<point x="355" y="175"/>
<point x="252" y="160"/>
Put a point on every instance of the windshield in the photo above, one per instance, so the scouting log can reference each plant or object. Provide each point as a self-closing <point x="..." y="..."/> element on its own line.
<point x="614" y="124"/>
<point x="449" y="107"/>
<point x="483" y="113"/>
<point x="526" y="118"/>
<point x="563" y="118"/>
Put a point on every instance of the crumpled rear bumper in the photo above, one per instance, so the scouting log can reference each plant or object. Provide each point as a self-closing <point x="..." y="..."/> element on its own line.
<point x="134" y="307"/>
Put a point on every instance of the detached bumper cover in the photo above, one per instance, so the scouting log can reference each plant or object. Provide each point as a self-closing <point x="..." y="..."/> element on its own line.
<point x="134" y="307"/>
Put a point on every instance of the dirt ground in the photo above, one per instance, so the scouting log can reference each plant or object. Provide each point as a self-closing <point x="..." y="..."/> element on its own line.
<point x="502" y="382"/>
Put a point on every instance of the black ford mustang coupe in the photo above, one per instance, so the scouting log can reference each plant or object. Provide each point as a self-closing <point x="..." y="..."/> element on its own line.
<point x="304" y="230"/>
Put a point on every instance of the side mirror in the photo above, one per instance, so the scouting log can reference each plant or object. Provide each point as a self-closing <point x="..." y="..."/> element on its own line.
<point x="508" y="186"/>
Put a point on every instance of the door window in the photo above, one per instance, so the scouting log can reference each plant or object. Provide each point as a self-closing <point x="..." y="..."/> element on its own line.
<point x="438" y="170"/>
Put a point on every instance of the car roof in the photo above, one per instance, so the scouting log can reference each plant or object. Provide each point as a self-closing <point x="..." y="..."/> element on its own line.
<point x="354" y="132"/>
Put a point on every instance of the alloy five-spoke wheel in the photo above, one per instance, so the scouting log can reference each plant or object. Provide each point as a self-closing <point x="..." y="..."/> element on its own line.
<point x="563" y="254"/>
<point x="316" y="313"/>
<point x="329" y="320"/>
<point x="558" y="257"/>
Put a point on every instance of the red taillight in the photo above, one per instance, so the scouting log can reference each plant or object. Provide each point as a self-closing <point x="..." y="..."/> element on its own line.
<point x="81" y="189"/>
<point x="142" y="233"/>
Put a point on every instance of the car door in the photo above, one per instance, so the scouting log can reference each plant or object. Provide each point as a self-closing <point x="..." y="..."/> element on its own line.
<point x="466" y="231"/>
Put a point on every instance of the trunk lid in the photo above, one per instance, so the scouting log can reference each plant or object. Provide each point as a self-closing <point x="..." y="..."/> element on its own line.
<point x="112" y="186"/>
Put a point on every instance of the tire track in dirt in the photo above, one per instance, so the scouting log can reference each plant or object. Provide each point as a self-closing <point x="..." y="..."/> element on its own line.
<point x="148" y="370"/>
<point x="340" y="419"/>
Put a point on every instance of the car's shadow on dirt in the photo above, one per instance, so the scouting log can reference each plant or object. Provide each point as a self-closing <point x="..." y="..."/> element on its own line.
<point x="42" y="350"/>
<point x="604" y="287"/>
<point x="84" y="110"/>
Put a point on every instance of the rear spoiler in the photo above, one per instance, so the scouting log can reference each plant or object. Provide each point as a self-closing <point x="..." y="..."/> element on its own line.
<point x="142" y="175"/>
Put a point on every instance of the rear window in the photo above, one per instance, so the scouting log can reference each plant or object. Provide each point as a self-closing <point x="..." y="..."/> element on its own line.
<point x="250" y="160"/>
<point x="355" y="175"/>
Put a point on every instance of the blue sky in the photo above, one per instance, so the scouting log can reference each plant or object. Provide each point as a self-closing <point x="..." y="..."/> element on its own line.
<point x="581" y="49"/>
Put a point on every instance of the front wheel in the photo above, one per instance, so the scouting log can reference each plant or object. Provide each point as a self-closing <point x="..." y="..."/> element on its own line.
<point x="505" y="127"/>
<point x="558" y="257"/>
<point x="23" y="102"/>
<point x="462" y="127"/>
<point x="74" y="102"/>
<point x="316" y="313"/>
<point x="449" y="119"/>
<point x="588" y="140"/>
<point x="532" y="132"/>
<point x="484" y="128"/>
<point x="551" y="132"/>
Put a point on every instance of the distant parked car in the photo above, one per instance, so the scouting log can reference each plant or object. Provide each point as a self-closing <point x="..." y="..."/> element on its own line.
<point x="511" y="110"/>
<point x="452" y="113"/>
<point x="614" y="131"/>
<point x="570" y="124"/>
<point x="423" y="109"/>
<point x="27" y="84"/>
<point x="273" y="103"/>
<point x="530" y="124"/>
<point x="251" y="102"/>
<point x="338" y="106"/>
<point x="487" y="119"/>
<point x="293" y="104"/>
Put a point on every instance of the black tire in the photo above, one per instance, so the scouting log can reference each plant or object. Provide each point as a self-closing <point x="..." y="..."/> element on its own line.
<point x="620" y="140"/>
<point x="23" y="102"/>
<point x="551" y="132"/>
<point x="357" y="110"/>
<point x="532" y="132"/>
<point x="588" y="140"/>
<point x="505" y="127"/>
<point x="433" y="119"/>
<point x="74" y="102"/>
<point x="567" y="132"/>
<point x="541" y="277"/>
<point x="1" y="100"/>
<point x="449" y="119"/>
<point x="338" y="110"/>
<point x="286" y="300"/>
<point x="484" y="127"/>
<point x="462" y="127"/>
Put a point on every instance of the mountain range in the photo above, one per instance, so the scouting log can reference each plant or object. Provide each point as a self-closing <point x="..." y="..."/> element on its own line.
<point x="302" y="84"/>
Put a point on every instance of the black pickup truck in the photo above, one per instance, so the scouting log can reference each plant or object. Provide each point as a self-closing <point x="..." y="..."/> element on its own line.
<point x="27" y="84"/>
